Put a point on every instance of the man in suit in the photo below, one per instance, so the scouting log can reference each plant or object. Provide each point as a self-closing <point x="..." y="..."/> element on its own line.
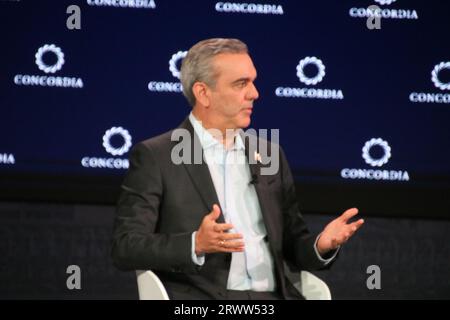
<point x="200" y="213"/>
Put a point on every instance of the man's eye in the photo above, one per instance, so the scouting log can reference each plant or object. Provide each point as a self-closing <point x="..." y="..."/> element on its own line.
<point x="242" y="84"/>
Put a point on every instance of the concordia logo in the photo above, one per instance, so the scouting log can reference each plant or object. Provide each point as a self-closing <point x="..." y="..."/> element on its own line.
<point x="436" y="75"/>
<point x="139" y="4"/>
<point x="409" y="14"/>
<point x="312" y="93"/>
<point x="378" y="161"/>
<point x="7" y="158"/>
<point x="42" y="57"/>
<point x="253" y="8"/>
<point x="111" y="163"/>
<point x="165" y="86"/>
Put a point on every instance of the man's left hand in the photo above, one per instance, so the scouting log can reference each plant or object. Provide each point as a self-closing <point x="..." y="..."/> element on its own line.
<point x="338" y="231"/>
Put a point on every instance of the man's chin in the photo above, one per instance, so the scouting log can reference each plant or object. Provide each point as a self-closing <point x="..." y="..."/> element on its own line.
<point x="244" y="123"/>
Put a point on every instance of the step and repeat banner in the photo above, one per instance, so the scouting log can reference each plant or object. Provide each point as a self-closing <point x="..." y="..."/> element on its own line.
<point x="359" y="90"/>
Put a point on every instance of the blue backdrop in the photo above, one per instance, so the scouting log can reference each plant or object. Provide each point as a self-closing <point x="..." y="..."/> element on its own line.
<point x="354" y="105"/>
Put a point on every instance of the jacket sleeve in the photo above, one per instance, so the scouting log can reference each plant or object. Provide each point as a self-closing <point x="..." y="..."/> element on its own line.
<point x="136" y="243"/>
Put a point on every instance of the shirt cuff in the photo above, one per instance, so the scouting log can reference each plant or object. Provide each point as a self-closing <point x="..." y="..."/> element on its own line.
<point x="198" y="260"/>
<point x="327" y="260"/>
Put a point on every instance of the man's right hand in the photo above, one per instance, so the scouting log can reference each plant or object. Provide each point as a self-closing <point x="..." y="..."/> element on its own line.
<point x="213" y="237"/>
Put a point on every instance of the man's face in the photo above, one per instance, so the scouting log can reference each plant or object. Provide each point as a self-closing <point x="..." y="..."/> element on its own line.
<point x="232" y="97"/>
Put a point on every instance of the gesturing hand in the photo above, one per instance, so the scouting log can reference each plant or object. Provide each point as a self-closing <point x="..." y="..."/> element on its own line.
<point x="213" y="237"/>
<point x="338" y="231"/>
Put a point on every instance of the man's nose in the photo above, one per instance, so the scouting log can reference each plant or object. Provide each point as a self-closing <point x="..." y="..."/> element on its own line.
<point x="253" y="92"/>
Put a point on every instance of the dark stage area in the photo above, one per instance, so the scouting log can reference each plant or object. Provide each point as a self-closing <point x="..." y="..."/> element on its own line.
<point x="38" y="241"/>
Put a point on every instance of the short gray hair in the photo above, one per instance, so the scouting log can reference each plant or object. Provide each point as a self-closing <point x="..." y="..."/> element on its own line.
<point x="197" y="65"/>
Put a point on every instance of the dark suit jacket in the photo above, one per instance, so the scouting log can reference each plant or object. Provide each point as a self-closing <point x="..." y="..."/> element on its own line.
<point x="162" y="203"/>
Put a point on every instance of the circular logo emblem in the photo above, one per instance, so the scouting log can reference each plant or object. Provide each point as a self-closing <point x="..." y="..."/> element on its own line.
<point x="376" y="142"/>
<point x="107" y="141"/>
<point x="59" y="58"/>
<point x="434" y="75"/>
<point x="382" y="2"/>
<point x="173" y="63"/>
<point x="318" y="77"/>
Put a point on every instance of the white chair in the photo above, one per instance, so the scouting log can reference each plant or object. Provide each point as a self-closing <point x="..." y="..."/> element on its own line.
<point x="312" y="287"/>
<point x="151" y="288"/>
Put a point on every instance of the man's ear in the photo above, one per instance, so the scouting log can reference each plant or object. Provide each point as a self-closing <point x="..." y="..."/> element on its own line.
<point x="202" y="93"/>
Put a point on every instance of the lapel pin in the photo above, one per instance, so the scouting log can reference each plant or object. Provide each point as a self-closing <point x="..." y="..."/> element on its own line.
<point x="257" y="157"/>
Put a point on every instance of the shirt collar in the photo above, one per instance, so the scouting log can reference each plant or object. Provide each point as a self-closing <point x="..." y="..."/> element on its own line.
<point x="206" y="138"/>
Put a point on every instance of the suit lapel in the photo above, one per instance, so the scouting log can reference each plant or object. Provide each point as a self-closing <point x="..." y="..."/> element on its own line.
<point x="260" y="186"/>
<point x="199" y="173"/>
<point x="271" y="221"/>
